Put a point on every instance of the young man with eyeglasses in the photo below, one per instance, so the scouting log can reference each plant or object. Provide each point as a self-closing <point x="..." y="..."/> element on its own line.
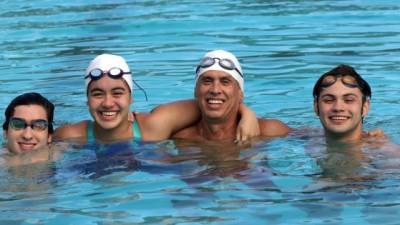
<point x="219" y="92"/>
<point x="28" y="123"/>
<point x="341" y="101"/>
<point x="109" y="88"/>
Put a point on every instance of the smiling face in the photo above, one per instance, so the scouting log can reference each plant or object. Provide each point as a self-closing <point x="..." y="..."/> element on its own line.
<point x="340" y="109"/>
<point x="25" y="140"/>
<point x="218" y="95"/>
<point x="108" y="101"/>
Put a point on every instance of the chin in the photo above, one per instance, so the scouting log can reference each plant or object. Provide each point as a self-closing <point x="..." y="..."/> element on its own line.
<point x="213" y="116"/>
<point x="107" y="125"/>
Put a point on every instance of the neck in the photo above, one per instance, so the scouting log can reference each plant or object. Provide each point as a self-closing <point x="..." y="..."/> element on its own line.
<point x="35" y="156"/>
<point x="121" y="132"/>
<point x="351" y="136"/>
<point x="218" y="129"/>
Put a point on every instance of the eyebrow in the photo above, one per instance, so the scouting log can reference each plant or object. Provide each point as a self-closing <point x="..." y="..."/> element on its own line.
<point x="206" y="77"/>
<point x="102" y="90"/>
<point x="334" y="96"/>
<point x="96" y="89"/>
<point x="350" y="94"/>
<point x="119" y="89"/>
<point x="28" y="121"/>
<point x="227" y="77"/>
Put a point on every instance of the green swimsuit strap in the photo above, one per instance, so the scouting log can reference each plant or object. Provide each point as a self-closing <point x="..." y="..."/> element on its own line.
<point x="136" y="131"/>
<point x="90" y="133"/>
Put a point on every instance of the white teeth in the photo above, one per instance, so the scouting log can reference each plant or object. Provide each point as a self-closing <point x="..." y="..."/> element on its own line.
<point x="109" y="113"/>
<point x="214" y="101"/>
<point x="28" y="144"/>
<point x="338" y="117"/>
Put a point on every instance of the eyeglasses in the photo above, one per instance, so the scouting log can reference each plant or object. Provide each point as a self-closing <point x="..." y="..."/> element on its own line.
<point x="347" y="80"/>
<point x="224" y="63"/>
<point x="114" y="73"/>
<point x="20" y="124"/>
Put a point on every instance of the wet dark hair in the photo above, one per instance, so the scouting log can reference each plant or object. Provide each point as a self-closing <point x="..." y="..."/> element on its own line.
<point x="31" y="98"/>
<point x="344" y="70"/>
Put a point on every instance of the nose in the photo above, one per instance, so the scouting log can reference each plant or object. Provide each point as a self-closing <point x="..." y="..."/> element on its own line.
<point x="338" y="106"/>
<point x="215" y="88"/>
<point x="108" y="101"/>
<point x="27" y="133"/>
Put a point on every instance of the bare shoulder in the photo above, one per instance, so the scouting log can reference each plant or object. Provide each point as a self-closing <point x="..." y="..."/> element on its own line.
<point x="70" y="131"/>
<point x="273" y="127"/>
<point x="148" y="126"/>
<point x="143" y="119"/>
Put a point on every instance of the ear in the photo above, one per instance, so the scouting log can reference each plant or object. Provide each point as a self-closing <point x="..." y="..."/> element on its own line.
<point x="241" y="96"/>
<point x="365" y="108"/>
<point x="196" y="90"/>
<point x="5" y="135"/>
<point x="316" y="109"/>
<point x="49" y="138"/>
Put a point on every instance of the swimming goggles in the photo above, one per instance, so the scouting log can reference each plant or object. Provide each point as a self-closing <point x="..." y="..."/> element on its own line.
<point x="224" y="63"/>
<point x="20" y="124"/>
<point x="114" y="73"/>
<point x="347" y="80"/>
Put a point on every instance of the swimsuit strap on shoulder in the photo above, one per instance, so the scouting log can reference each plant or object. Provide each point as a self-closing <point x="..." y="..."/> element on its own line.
<point x="89" y="132"/>
<point x="136" y="130"/>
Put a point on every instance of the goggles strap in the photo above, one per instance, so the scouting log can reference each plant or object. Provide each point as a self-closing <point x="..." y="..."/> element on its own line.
<point x="145" y="95"/>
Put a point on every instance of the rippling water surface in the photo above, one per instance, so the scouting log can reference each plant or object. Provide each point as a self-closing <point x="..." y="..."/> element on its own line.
<point x="283" y="46"/>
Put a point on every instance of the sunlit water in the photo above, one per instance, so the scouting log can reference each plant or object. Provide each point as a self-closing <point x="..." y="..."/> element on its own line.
<point x="283" y="47"/>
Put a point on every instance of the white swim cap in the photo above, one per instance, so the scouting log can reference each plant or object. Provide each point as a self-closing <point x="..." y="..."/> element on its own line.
<point x="105" y="62"/>
<point x="235" y="71"/>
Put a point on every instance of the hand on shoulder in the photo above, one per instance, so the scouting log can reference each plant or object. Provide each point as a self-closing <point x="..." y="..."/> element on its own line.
<point x="377" y="133"/>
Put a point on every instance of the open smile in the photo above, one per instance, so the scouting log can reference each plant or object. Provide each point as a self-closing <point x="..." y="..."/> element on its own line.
<point x="214" y="103"/>
<point x="338" y="119"/>
<point x="107" y="115"/>
<point x="26" y="146"/>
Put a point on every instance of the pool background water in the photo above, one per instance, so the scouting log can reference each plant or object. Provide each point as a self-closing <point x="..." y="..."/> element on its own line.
<point x="283" y="46"/>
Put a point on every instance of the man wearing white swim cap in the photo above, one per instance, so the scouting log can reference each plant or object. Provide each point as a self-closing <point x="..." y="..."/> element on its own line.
<point x="219" y="93"/>
<point x="109" y="89"/>
<point x="224" y="61"/>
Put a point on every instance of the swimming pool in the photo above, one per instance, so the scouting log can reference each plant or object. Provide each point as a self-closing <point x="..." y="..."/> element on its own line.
<point x="283" y="47"/>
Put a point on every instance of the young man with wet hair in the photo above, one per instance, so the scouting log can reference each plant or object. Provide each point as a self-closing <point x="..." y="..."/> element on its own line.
<point x="28" y="124"/>
<point x="109" y="88"/>
<point x="219" y="92"/>
<point x="341" y="101"/>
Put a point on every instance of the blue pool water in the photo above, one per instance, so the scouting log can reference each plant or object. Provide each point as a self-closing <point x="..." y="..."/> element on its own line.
<point x="283" y="47"/>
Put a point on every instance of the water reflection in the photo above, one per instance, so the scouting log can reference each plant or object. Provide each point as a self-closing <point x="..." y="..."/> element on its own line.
<point x="284" y="46"/>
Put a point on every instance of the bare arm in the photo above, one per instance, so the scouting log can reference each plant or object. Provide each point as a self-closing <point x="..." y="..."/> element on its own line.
<point x="248" y="126"/>
<point x="70" y="131"/>
<point x="273" y="128"/>
<point x="166" y="119"/>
